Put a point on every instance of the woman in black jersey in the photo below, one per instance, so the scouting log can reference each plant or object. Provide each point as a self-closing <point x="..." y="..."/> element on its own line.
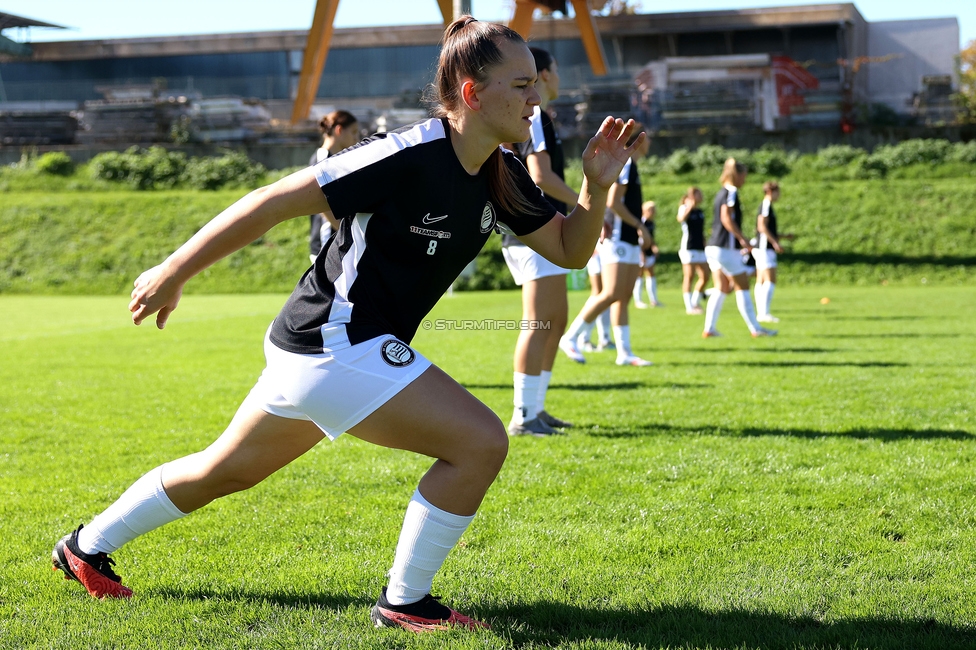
<point x="724" y="254"/>
<point x="691" y="252"/>
<point x="415" y="206"/>
<point x="340" y="130"/>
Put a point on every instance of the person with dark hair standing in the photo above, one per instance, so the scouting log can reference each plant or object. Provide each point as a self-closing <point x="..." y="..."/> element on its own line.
<point x="543" y="283"/>
<point x="340" y="130"/>
<point x="648" y="260"/>
<point x="414" y="207"/>
<point x="691" y="251"/>
<point x="766" y="251"/>
<point x="724" y="254"/>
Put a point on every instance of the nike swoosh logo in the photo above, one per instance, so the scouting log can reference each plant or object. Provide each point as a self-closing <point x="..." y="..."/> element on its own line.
<point x="429" y="219"/>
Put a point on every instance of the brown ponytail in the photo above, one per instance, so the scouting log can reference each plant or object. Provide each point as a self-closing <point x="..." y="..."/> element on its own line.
<point x="470" y="51"/>
<point x="329" y="122"/>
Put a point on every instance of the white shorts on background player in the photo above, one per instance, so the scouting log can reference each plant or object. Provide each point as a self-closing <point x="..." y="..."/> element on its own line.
<point x="593" y="266"/>
<point x="765" y="258"/>
<point x="692" y="257"/>
<point x="727" y="260"/>
<point x="618" y="252"/>
<point x="339" y="388"/>
<point x="526" y="265"/>
<point x="649" y="261"/>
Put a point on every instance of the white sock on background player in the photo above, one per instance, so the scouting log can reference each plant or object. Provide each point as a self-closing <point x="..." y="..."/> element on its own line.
<point x="768" y="296"/>
<point x="576" y="328"/>
<point x="696" y="298"/>
<point x="744" y="301"/>
<point x="526" y="394"/>
<point x="621" y="333"/>
<point x="760" y="292"/>
<point x="688" y="302"/>
<point x="713" y="309"/>
<point x="540" y="403"/>
<point x="652" y="289"/>
<point x="142" y="508"/>
<point x="603" y="326"/>
<point x="427" y="536"/>
<point x="638" y="287"/>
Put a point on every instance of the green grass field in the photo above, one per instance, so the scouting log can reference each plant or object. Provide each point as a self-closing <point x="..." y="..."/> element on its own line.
<point x="809" y="491"/>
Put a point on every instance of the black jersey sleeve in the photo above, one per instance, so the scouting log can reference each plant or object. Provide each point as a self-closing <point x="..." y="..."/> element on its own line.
<point x="523" y="224"/>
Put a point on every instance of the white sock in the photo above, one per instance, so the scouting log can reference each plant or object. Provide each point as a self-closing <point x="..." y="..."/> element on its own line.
<point x="577" y="327"/>
<point x="544" y="378"/>
<point x="603" y="326"/>
<point x="428" y="535"/>
<point x="713" y="309"/>
<point x="142" y="508"/>
<point x="638" y="286"/>
<point x="744" y="301"/>
<point x="689" y="303"/>
<point x="696" y="298"/>
<point x="768" y="296"/>
<point x="759" y="291"/>
<point x="526" y="394"/>
<point x="652" y="291"/>
<point x="622" y="335"/>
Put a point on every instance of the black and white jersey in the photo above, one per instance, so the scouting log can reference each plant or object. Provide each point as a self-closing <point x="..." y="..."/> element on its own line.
<point x="411" y="218"/>
<point x="542" y="137"/>
<point x="766" y="210"/>
<point x="630" y="179"/>
<point x="693" y="231"/>
<point x="721" y="237"/>
<point x="316" y="236"/>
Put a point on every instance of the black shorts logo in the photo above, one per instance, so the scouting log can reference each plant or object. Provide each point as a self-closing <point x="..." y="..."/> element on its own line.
<point x="487" y="218"/>
<point x="397" y="354"/>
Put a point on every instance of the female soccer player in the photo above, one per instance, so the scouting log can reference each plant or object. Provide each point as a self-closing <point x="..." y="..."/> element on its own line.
<point x="648" y="258"/>
<point x="340" y="129"/>
<point x="620" y="260"/>
<point x="594" y="270"/>
<point x="765" y="252"/>
<point x="415" y="206"/>
<point x="724" y="253"/>
<point x="691" y="252"/>
<point x="543" y="283"/>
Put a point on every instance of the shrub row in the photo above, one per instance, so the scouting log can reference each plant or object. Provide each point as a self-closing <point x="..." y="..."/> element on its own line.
<point x="156" y="168"/>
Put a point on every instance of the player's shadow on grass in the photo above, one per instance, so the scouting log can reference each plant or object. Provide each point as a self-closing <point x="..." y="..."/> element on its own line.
<point x="888" y="435"/>
<point x="316" y="600"/>
<point x="548" y="623"/>
<point x="893" y="335"/>
<point x="620" y="385"/>
<point x="796" y="364"/>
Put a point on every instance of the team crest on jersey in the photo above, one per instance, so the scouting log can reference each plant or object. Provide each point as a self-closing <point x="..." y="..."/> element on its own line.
<point x="397" y="354"/>
<point x="487" y="218"/>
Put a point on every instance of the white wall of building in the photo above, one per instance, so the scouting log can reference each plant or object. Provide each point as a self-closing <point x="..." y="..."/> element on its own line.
<point x="923" y="47"/>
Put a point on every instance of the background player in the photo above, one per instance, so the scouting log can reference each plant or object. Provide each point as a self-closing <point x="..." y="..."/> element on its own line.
<point x="543" y="283"/>
<point x="648" y="258"/>
<point x="620" y="260"/>
<point x="724" y="253"/>
<point x="766" y="251"/>
<point x="339" y="129"/>
<point x="691" y="251"/>
<point x="338" y="354"/>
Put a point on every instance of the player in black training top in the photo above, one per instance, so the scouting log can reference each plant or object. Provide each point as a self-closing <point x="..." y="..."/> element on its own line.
<point x="620" y="262"/>
<point x="339" y="130"/>
<point x="543" y="283"/>
<point x="691" y="251"/>
<point x="648" y="260"/>
<point x="414" y="208"/>
<point x="724" y="253"/>
<point x="766" y="251"/>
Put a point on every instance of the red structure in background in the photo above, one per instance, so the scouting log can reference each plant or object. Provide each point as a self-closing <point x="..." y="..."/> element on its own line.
<point x="791" y="79"/>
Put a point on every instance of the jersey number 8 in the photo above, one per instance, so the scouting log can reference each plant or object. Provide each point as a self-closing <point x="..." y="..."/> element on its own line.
<point x="432" y="247"/>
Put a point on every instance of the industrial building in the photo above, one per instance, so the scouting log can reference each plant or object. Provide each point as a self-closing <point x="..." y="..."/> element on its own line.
<point x="762" y="70"/>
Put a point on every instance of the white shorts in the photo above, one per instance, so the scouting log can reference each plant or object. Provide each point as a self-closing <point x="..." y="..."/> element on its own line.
<point x="339" y="388"/>
<point x="619" y="252"/>
<point x="692" y="257"/>
<point x="765" y="258"/>
<point x="526" y="265"/>
<point x="593" y="266"/>
<point x="648" y="259"/>
<point x="727" y="260"/>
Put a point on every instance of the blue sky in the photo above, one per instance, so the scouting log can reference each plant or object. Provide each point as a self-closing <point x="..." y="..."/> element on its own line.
<point x="133" y="18"/>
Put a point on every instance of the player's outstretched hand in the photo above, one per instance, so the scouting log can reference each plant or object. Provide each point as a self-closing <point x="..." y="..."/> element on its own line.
<point x="607" y="151"/>
<point x="154" y="292"/>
